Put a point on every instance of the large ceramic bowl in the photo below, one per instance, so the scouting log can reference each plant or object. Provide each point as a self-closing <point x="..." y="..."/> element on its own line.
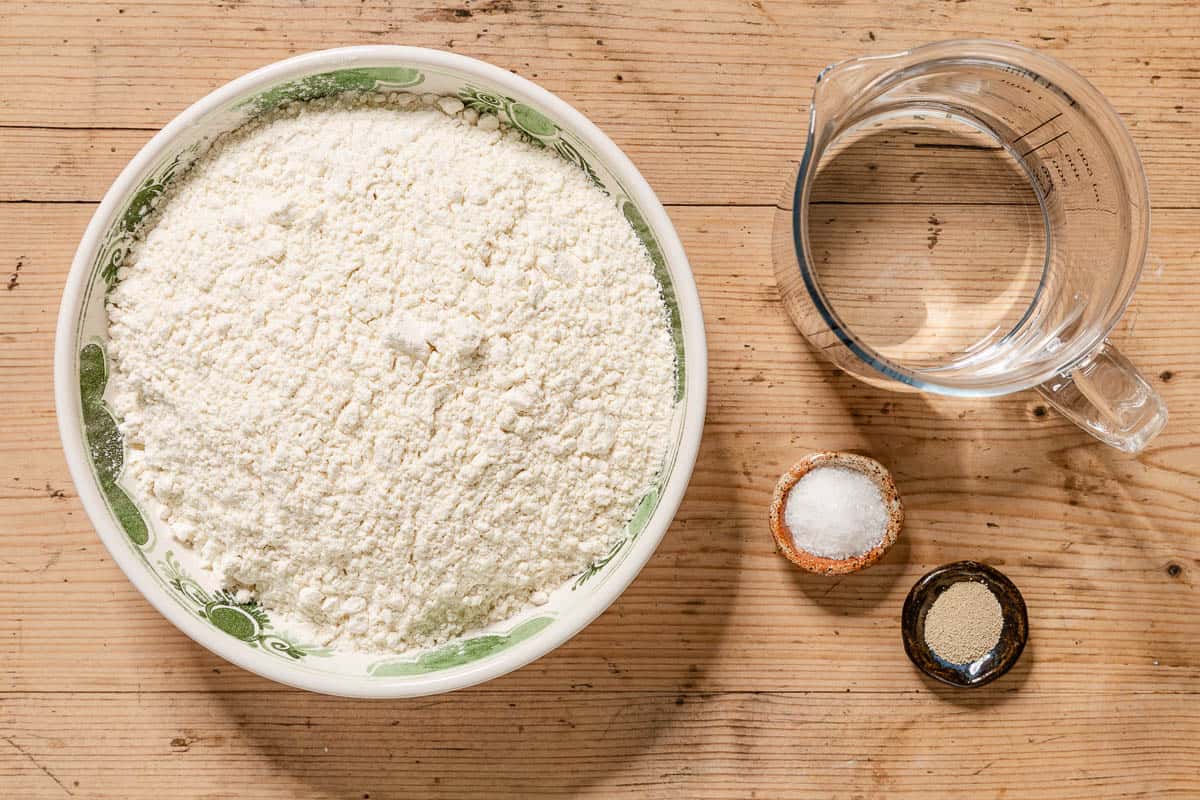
<point x="168" y="574"/>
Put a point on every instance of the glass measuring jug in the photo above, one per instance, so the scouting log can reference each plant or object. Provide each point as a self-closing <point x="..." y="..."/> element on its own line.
<point x="1039" y="320"/>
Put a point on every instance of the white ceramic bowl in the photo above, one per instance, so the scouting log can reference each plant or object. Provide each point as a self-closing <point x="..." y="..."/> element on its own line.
<point x="167" y="574"/>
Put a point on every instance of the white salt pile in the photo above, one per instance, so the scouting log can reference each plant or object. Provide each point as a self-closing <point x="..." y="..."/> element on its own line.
<point x="835" y="512"/>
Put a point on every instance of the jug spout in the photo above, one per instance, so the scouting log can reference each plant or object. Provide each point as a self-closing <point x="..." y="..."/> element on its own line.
<point x="842" y="85"/>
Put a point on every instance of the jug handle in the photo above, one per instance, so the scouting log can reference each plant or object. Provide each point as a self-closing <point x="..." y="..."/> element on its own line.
<point x="1107" y="397"/>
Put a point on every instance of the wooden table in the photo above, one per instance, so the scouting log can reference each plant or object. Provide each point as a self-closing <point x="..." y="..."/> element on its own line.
<point x="722" y="671"/>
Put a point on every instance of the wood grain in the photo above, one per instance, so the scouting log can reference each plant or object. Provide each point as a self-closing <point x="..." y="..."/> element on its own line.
<point x="685" y="88"/>
<point x="721" y="672"/>
<point x="601" y="744"/>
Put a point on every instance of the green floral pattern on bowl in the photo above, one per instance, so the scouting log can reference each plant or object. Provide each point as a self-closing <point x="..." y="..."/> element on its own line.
<point x="246" y="621"/>
<point x="105" y="446"/>
<point x="458" y="653"/>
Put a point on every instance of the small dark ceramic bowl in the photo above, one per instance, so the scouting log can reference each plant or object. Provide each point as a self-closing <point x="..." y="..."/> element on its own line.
<point x="999" y="659"/>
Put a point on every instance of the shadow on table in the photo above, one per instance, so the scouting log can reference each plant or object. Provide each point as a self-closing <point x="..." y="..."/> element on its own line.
<point x="575" y="718"/>
<point x="860" y="592"/>
<point x="966" y="462"/>
<point x="880" y="418"/>
<point x="994" y="693"/>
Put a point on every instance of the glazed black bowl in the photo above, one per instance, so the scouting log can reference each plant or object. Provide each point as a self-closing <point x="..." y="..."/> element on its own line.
<point x="999" y="659"/>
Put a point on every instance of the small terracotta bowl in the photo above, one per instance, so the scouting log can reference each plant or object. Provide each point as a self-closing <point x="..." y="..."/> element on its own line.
<point x="835" y="566"/>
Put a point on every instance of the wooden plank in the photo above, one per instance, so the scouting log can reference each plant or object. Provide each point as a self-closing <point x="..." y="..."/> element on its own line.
<point x="63" y="165"/>
<point x="704" y="118"/>
<point x="1073" y="521"/>
<point x="721" y="672"/>
<point x="929" y="743"/>
<point x="70" y="164"/>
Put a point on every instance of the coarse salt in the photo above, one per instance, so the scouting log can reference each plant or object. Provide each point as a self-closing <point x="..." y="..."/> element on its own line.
<point x="835" y="512"/>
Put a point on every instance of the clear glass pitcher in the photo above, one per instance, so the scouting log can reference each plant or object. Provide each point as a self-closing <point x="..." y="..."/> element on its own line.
<point x="1092" y="211"/>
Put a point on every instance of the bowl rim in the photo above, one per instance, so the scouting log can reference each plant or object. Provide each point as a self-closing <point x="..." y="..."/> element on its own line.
<point x="570" y="621"/>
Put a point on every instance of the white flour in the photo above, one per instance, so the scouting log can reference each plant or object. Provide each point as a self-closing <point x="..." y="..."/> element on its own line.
<point x="391" y="372"/>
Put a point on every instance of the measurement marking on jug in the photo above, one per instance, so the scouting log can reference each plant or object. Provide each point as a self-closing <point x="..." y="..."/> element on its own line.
<point x="983" y="148"/>
<point x="1071" y="163"/>
<point x="1043" y="144"/>
<point x="1044" y="180"/>
<point x="1038" y="128"/>
<point x="1083" y="157"/>
<point x="1062" y="177"/>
